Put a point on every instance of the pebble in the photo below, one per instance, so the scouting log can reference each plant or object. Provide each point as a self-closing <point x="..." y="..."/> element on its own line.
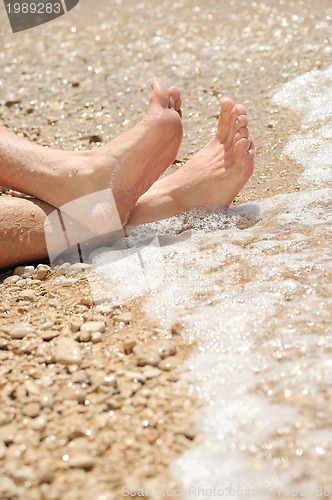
<point x="63" y="269"/>
<point x="85" y="336"/>
<point x="169" y="363"/>
<point x="41" y="272"/>
<point x="93" y="326"/>
<point x="45" y="472"/>
<point x="23" y="473"/>
<point x="24" y="271"/>
<point x="68" y="351"/>
<point x="4" y="306"/>
<point x="96" y="337"/>
<point x="39" y="423"/>
<point x="47" y="400"/>
<point x="28" y="295"/>
<point x="75" y="324"/>
<point x="68" y="282"/>
<point x="110" y="381"/>
<point x="49" y="334"/>
<point x="82" y="461"/>
<point x="152" y="352"/>
<point x="31" y="409"/>
<point x="87" y="301"/>
<point x="125" y="317"/>
<point x="128" y="345"/>
<point x="152" y="372"/>
<point x="78" y="268"/>
<point x="11" y="280"/>
<point x="8" y="433"/>
<point x="20" y="331"/>
<point x="4" y="344"/>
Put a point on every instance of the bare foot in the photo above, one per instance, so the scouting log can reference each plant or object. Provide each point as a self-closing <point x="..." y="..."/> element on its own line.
<point x="128" y="165"/>
<point x="215" y="175"/>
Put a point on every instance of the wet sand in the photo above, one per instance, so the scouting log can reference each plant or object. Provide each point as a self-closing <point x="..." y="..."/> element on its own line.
<point x="80" y="81"/>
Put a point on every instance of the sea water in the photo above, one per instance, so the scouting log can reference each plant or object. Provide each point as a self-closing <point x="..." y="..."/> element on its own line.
<point x="252" y="285"/>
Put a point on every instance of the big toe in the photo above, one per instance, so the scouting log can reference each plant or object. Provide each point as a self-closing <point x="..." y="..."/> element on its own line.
<point x="160" y="95"/>
<point x="226" y="105"/>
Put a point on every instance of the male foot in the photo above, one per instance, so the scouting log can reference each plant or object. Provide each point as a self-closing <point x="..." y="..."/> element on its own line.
<point x="125" y="168"/>
<point x="215" y="175"/>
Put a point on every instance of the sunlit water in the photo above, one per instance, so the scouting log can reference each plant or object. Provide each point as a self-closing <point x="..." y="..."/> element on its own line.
<point x="253" y="286"/>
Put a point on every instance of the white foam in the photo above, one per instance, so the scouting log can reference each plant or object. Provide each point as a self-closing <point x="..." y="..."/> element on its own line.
<point x="311" y="94"/>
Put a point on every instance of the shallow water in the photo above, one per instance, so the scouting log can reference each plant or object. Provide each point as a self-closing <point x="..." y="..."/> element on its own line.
<point x="252" y="284"/>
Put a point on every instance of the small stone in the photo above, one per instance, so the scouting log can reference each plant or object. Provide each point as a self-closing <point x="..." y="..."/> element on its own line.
<point x="4" y="343"/>
<point x="96" y="337"/>
<point x="152" y="372"/>
<point x="39" y="423"/>
<point x="82" y="461"/>
<point x="21" y="283"/>
<point x="8" y="433"/>
<point x="68" y="282"/>
<point x="47" y="325"/>
<point x="134" y="376"/>
<point x="110" y="381"/>
<point x="85" y="336"/>
<point x="68" y="352"/>
<point x="93" y="326"/>
<point x="4" y="419"/>
<point x="50" y="334"/>
<point x="79" y="267"/>
<point x="125" y="317"/>
<point x="45" y="472"/>
<point x="169" y="363"/>
<point x="47" y="400"/>
<point x="4" y="306"/>
<point x="177" y="327"/>
<point x="24" y="271"/>
<point x="128" y="345"/>
<point x="188" y="431"/>
<point x="152" y="352"/>
<point x="28" y="295"/>
<point x="20" y="331"/>
<point x="41" y="272"/>
<point x="11" y="280"/>
<point x="23" y="473"/>
<point x="63" y="269"/>
<point x="75" y="324"/>
<point x="31" y="409"/>
<point x="87" y="301"/>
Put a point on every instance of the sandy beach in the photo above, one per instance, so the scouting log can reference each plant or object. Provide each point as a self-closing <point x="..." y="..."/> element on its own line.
<point x="87" y="410"/>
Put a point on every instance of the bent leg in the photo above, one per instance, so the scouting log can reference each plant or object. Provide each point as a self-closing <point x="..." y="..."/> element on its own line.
<point x="127" y="166"/>
<point x="22" y="237"/>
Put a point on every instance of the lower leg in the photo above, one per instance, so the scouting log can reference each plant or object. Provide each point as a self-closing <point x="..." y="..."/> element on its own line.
<point x="22" y="237"/>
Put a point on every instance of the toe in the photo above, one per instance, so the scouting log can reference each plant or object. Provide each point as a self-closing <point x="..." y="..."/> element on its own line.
<point x="242" y="133"/>
<point x="252" y="150"/>
<point x="241" y="121"/>
<point x="226" y="105"/>
<point x="175" y="99"/>
<point x="241" y="150"/>
<point x="160" y="95"/>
